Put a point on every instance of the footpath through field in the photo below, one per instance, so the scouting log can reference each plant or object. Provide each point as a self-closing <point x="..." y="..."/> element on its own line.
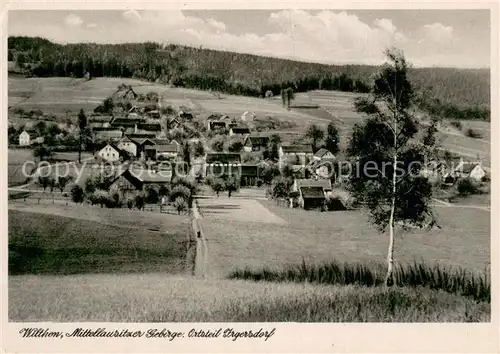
<point x="214" y="245"/>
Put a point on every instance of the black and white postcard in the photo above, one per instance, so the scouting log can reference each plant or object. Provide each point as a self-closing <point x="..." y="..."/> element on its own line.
<point x="250" y="177"/>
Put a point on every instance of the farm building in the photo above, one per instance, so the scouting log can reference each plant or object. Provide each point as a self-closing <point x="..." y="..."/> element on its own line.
<point x="155" y="152"/>
<point x="134" y="112"/>
<point x="141" y="144"/>
<point x="216" y="121"/>
<point x="295" y="154"/>
<point x="125" y="122"/>
<point x="250" y="174"/>
<point x="310" y="193"/>
<point x="149" y="127"/>
<point x="142" y="136"/>
<point x="308" y="198"/>
<point x="131" y="182"/>
<point x="248" y="116"/>
<point x="128" y="145"/>
<point x="216" y="124"/>
<point x="255" y="143"/>
<point x="239" y="131"/>
<point x="172" y="123"/>
<point x="221" y="164"/>
<point x="473" y="171"/>
<point x="323" y="154"/>
<point x="107" y="134"/>
<point x="155" y="114"/>
<point x="24" y="138"/>
<point x="111" y="153"/>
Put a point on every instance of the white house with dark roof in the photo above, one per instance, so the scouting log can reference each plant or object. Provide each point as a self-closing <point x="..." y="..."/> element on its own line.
<point x="111" y="153"/>
<point x="472" y="170"/>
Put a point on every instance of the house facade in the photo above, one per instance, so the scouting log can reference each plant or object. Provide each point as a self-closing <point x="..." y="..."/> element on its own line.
<point x="131" y="182"/>
<point x="248" y="116"/>
<point x="256" y="143"/>
<point x="473" y="171"/>
<point x="221" y="165"/>
<point x="295" y="154"/>
<point x="128" y="145"/>
<point x="24" y="138"/>
<point x="239" y="131"/>
<point x="111" y="153"/>
<point x="304" y="192"/>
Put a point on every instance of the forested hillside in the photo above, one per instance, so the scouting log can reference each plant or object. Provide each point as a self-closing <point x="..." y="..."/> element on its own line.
<point x="451" y="93"/>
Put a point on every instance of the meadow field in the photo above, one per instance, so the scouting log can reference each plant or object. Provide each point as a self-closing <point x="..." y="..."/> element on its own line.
<point x="170" y="298"/>
<point x="81" y="239"/>
<point x="16" y="158"/>
<point x="291" y="236"/>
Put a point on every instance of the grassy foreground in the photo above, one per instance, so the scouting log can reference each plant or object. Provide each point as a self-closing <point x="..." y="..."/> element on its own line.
<point x="52" y="244"/>
<point x="163" y="298"/>
<point x="455" y="281"/>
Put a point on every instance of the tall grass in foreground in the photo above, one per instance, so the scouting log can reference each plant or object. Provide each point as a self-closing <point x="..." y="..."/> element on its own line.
<point x="454" y="281"/>
<point x="164" y="298"/>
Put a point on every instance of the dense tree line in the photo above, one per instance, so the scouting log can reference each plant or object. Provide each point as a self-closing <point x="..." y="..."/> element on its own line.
<point x="453" y="93"/>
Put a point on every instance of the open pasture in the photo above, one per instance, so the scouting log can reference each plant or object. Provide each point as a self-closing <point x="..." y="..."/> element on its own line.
<point x="94" y="240"/>
<point x="315" y="237"/>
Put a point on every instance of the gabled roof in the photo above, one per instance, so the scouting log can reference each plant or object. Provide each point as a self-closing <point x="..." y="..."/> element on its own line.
<point x="257" y="140"/>
<point x="240" y="130"/>
<point x="125" y="121"/>
<point x="160" y="141"/>
<point x="126" y="139"/>
<point x="223" y="157"/>
<point x="164" y="148"/>
<point x="150" y="176"/>
<point x="322" y="152"/>
<point x="468" y="167"/>
<point x="120" y="151"/>
<point x="141" y="135"/>
<point x="154" y="127"/>
<point x="141" y="141"/>
<point x="326" y="184"/>
<point x="297" y="148"/>
<point x="312" y="192"/>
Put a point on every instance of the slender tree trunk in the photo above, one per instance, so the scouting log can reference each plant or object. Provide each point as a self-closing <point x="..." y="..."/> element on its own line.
<point x="390" y="251"/>
<point x="80" y="150"/>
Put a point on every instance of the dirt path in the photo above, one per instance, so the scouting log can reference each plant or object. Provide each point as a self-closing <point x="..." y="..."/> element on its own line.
<point x="201" y="261"/>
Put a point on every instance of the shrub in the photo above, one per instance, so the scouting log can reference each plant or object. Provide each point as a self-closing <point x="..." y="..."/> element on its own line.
<point x="180" y="204"/>
<point x="180" y="191"/>
<point x="140" y="200"/>
<point x="152" y="193"/>
<point x="467" y="187"/>
<point x="77" y="194"/>
<point x="471" y="133"/>
<point x="456" y="124"/>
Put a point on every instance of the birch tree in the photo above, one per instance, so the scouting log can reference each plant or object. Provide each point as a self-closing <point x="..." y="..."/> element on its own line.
<point x="388" y="151"/>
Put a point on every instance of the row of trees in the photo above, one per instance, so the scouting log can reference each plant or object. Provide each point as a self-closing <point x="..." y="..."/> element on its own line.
<point x="179" y="193"/>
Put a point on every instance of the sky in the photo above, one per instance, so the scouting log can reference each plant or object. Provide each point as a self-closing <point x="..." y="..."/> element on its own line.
<point x="445" y="38"/>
